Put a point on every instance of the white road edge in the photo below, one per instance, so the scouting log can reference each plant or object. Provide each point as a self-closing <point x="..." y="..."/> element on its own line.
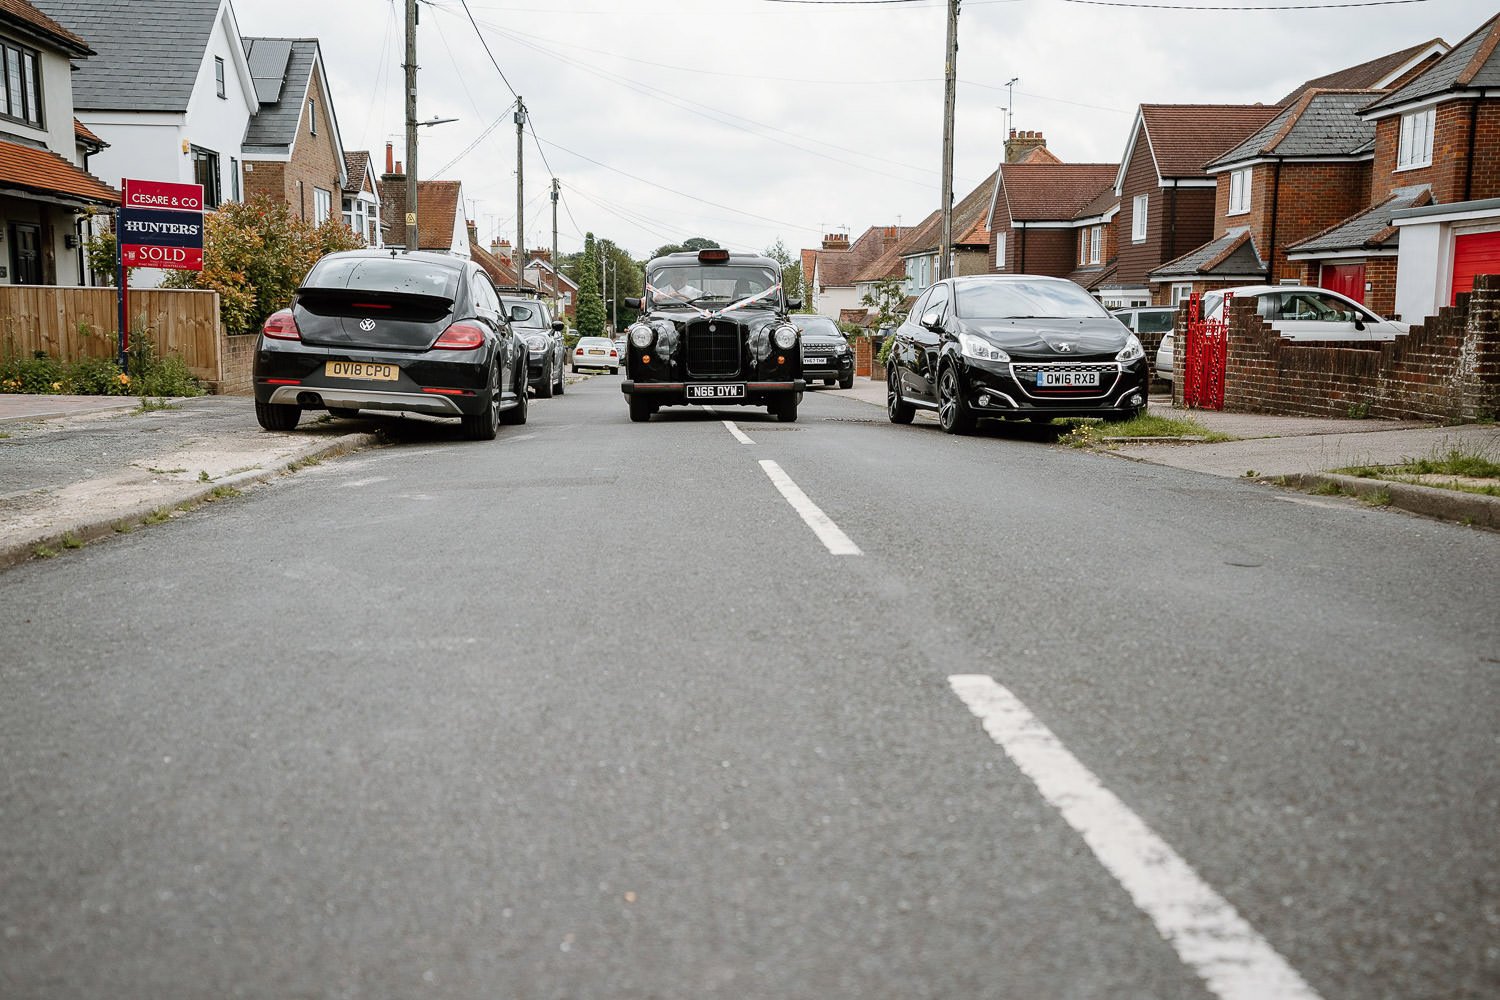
<point x="832" y="537"/>
<point x="1210" y="937"/>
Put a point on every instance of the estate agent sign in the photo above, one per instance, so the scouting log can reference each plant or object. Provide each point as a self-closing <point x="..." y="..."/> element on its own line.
<point x="161" y="225"/>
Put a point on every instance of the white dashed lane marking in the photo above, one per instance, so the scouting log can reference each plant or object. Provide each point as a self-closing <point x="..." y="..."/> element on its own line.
<point x="739" y="435"/>
<point x="832" y="537"/>
<point x="1231" y="958"/>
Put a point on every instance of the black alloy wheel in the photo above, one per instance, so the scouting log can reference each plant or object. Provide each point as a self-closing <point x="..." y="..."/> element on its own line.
<point x="277" y="416"/>
<point x="561" y="383"/>
<point x="847" y="382"/>
<point x="544" y="389"/>
<point x="640" y="409"/>
<point x="954" y="415"/>
<point x="896" y="406"/>
<point x="517" y="416"/>
<point x="485" y="426"/>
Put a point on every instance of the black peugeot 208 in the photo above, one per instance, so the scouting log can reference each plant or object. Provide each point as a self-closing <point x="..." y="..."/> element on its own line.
<point x="377" y="330"/>
<point x="1013" y="347"/>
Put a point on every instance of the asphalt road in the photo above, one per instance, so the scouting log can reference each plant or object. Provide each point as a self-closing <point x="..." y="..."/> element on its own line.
<point x="591" y="711"/>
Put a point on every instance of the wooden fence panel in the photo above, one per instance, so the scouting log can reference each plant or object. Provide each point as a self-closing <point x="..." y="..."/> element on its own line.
<point x="73" y="323"/>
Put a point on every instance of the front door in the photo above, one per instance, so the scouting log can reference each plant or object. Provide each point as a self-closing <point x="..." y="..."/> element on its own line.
<point x="1346" y="279"/>
<point x="25" y="254"/>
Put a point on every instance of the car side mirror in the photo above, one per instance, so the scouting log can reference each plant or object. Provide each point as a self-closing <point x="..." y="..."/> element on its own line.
<point x="1359" y="322"/>
<point x="557" y="325"/>
<point x="632" y="303"/>
<point x="932" y="319"/>
<point x="793" y="304"/>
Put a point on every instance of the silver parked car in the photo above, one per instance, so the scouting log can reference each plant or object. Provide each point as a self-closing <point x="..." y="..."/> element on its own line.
<point x="1305" y="312"/>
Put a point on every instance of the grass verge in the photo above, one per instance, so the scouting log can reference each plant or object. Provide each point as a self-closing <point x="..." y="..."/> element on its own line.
<point x="1467" y="471"/>
<point x="1092" y="433"/>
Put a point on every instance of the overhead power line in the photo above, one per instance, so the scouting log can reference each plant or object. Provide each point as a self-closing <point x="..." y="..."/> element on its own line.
<point x="1235" y="9"/>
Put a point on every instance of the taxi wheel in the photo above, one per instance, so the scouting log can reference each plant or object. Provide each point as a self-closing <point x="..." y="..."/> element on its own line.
<point x="786" y="410"/>
<point x="277" y="416"/>
<point x="545" y="388"/>
<point x="640" y="410"/>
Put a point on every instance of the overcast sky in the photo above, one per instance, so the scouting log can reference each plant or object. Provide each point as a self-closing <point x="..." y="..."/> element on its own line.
<point x="752" y="120"/>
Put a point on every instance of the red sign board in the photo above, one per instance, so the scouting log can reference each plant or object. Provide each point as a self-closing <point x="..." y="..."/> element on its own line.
<point x="161" y="225"/>
<point x="163" y="195"/>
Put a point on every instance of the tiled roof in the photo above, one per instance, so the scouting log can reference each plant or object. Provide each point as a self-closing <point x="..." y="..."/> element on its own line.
<point x="1105" y="202"/>
<point x="1472" y="63"/>
<point x="1093" y="277"/>
<point x="887" y="265"/>
<point x="1053" y="192"/>
<point x="1232" y="255"/>
<point x="437" y="213"/>
<point x="1184" y="137"/>
<point x="82" y="133"/>
<point x="355" y="165"/>
<point x="169" y="36"/>
<point x="1365" y="75"/>
<point x="282" y="70"/>
<point x="28" y="14"/>
<point x="838" y="267"/>
<point x="970" y="223"/>
<point x="1319" y="123"/>
<point x="499" y="269"/>
<point x="1040" y="154"/>
<point x="1370" y="229"/>
<point x="47" y="173"/>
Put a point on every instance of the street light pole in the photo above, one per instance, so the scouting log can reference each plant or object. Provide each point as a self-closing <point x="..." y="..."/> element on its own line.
<point x="411" y="126"/>
<point x="520" y="187"/>
<point x="950" y="95"/>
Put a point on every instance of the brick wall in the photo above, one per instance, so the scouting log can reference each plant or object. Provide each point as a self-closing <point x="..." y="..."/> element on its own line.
<point x="315" y="163"/>
<point x="1052" y="252"/>
<point x="1450" y="154"/>
<point x="237" y="355"/>
<point x="1445" y="369"/>
<point x="265" y="178"/>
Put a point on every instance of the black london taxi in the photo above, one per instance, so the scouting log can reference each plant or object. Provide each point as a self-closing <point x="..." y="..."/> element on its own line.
<point x="714" y="328"/>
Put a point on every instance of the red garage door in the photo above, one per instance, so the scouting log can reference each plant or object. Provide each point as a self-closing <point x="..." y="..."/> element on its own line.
<point x="1476" y="253"/>
<point x="1346" y="279"/>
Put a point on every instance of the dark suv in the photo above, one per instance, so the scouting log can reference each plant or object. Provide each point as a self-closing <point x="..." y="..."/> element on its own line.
<point x="825" y="351"/>
<point x="1013" y="347"/>
<point x="533" y="323"/>
<point x="714" y="329"/>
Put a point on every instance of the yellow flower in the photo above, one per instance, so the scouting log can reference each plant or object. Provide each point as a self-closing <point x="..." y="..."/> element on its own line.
<point x="124" y="379"/>
<point x="57" y="387"/>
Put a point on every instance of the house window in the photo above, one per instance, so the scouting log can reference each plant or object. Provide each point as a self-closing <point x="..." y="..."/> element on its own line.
<point x="1096" y="243"/>
<point x="1416" y="139"/>
<point x="1239" y="192"/>
<point x="234" y="179"/>
<point x="219" y="77"/>
<point x="312" y="116"/>
<point x="322" y="206"/>
<point x="206" y="172"/>
<point x="1138" y="218"/>
<point x="1000" y="251"/>
<point x="1083" y="247"/>
<point x="1181" y="292"/>
<point x="21" y="84"/>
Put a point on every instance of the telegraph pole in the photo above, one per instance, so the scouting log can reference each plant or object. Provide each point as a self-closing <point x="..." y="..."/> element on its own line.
<point x="556" y="285"/>
<point x="520" y="187"/>
<point x="411" y="126"/>
<point x="950" y="94"/>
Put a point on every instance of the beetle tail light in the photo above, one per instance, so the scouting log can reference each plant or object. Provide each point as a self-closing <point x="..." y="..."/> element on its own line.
<point x="281" y="325"/>
<point x="460" y="337"/>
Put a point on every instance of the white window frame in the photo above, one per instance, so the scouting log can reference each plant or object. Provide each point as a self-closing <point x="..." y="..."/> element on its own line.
<point x="1414" y="150"/>
<point x="1138" y="210"/>
<point x="1096" y="243"/>
<point x="1239" y="192"/>
<point x="322" y="206"/>
<point x="1000" y="251"/>
<point x="312" y="116"/>
<point x="1181" y="291"/>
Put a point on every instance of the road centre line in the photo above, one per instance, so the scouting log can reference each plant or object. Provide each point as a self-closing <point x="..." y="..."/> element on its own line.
<point x="1210" y="937"/>
<point x="739" y="435"/>
<point x="832" y="537"/>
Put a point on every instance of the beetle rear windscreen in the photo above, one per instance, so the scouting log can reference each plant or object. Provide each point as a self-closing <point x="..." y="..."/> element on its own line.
<point x="385" y="274"/>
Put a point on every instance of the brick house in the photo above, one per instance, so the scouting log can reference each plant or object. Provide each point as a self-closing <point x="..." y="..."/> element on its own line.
<point x="1053" y="218"/>
<point x="971" y="250"/>
<point x="552" y="284"/>
<point x="44" y="181"/>
<point x="1435" y="165"/>
<point x="293" y="152"/>
<point x="834" y="266"/>
<point x="362" y="198"/>
<point x="441" y="224"/>
<point x="1166" y="196"/>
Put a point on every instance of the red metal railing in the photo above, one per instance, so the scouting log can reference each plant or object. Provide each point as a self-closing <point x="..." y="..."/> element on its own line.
<point x="1205" y="352"/>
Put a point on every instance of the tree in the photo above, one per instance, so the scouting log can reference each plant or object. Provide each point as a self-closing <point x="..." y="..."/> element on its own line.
<point x="791" y="271"/>
<point x="887" y="298"/>
<point x="590" y="312"/>
<point x="255" y="254"/>
<point x="695" y="243"/>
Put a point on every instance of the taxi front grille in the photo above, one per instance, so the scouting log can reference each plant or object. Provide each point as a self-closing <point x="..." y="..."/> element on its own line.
<point x="713" y="348"/>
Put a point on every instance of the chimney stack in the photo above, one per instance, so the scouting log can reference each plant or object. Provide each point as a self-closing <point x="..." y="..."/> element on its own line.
<point x="390" y="159"/>
<point x="836" y="241"/>
<point x="1021" y="143"/>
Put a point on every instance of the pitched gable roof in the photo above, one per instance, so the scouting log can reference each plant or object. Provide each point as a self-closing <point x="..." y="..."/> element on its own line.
<point x="1051" y="192"/>
<point x="1380" y="72"/>
<point x="437" y="214"/>
<point x="1367" y="230"/>
<point x="28" y="16"/>
<point x="1473" y="63"/>
<point x="169" y="36"/>
<point x="1320" y="123"/>
<point x="357" y="171"/>
<point x="970" y="222"/>
<point x="498" y="268"/>
<point x="837" y="268"/>
<point x="1232" y="255"/>
<point x="283" y="72"/>
<point x="1185" y="137"/>
<point x="45" y="172"/>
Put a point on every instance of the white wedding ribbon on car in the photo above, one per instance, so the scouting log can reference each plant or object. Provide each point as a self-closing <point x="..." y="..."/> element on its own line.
<point x="713" y="313"/>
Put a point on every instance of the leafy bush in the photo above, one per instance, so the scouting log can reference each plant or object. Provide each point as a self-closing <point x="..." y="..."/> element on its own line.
<point x="37" y="374"/>
<point x="95" y="377"/>
<point x="153" y="375"/>
<point x="149" y="374"/>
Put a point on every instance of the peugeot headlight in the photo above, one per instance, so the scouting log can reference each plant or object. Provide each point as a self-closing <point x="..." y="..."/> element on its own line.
<point x="786" y="337"/>
<point x="980" y="349"/>
<point x="1132" y="351"/>
<point x="642" y="335"/>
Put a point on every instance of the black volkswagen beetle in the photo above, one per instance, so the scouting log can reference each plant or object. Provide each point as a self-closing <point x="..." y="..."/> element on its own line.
<point x="713" y="329"/>
<point x="376" y="330"/>
<point x="1012" y="347"/>
<point x="825" y="351"/>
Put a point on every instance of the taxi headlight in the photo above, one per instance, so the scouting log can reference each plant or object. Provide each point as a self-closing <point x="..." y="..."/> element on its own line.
<point x="980" y="349"/>
<point x="1132" y="351"/>
<point x="641" y="336"/>
<point x="786" y="337"/>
